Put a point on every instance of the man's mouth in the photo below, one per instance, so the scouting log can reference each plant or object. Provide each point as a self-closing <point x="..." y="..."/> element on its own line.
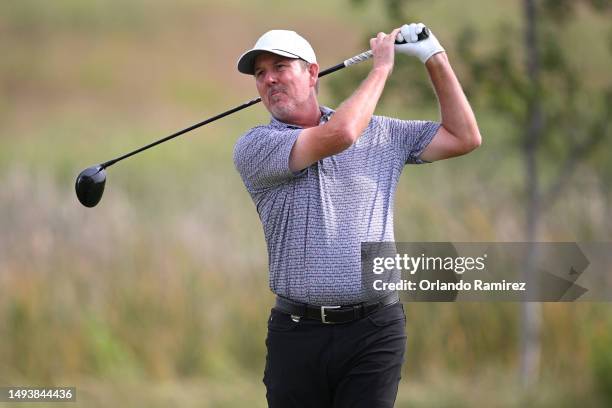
<point x="277" y="91"/>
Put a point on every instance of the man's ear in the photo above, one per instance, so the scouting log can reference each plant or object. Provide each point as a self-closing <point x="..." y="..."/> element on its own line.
<point x="313" y="70"/>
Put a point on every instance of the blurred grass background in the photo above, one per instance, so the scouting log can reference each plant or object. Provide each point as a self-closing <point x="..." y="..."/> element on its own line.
<point x="159" y="295"/>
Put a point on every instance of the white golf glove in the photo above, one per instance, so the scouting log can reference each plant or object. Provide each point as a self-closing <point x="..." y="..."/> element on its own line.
<point x="421" y="49"/>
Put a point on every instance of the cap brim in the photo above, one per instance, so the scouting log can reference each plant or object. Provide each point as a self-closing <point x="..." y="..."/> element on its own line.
<point x="246" y="62"/>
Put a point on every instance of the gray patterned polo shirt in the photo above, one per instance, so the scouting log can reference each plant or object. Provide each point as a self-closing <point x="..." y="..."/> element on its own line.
<point x="315" y="220"/>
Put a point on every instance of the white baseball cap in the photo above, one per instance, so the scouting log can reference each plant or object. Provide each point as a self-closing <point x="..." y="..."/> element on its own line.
<point x="281" y="42"/>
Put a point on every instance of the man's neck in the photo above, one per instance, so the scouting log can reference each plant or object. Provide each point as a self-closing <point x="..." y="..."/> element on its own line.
<point x="308" y="116"/>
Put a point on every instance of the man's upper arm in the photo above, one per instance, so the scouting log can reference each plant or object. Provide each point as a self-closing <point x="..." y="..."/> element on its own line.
<point x="409" y="137"/>
<point x="444" y="145"/>
<point x="261" y="156"/>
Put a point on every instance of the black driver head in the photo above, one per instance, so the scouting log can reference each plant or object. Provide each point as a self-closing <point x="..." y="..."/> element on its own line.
<point x="89" y="185"/>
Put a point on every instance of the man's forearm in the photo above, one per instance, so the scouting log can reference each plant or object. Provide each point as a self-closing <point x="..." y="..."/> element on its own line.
<point x="354" y="114"/>
<point x="456" y="112"/>
<point x="345" y="126"/>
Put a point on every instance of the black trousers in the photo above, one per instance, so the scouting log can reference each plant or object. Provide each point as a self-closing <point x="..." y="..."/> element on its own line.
<point x="356" y="364"/>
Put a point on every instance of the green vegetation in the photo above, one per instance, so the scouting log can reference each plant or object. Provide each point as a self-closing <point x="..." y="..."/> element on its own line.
<point x="159" y="295"/>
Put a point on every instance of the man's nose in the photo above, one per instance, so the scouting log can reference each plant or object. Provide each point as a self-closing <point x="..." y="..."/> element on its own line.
<point x="270" y="78"/>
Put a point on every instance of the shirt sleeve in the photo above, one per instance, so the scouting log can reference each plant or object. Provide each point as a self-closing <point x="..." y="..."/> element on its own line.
<point x="261" y="156"/>
<point x="411" y="137"/>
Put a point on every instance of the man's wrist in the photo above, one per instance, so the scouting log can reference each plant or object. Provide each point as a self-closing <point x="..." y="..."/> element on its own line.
<point x="437" y="59"/>
<point x="384" y="71"/>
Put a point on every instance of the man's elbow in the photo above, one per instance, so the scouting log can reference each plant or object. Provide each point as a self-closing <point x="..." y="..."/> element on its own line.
<point x="343" y="136"/>
<point x="475" y="140"/>
<point x="471" y="141"/>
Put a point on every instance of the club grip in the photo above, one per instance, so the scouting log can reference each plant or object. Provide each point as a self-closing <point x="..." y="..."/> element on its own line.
<point x="364" y="56"/>
<point x="423" y="35"/>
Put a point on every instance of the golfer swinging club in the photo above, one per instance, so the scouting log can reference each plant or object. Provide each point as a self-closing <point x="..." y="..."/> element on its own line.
<point x="323" y="182"/>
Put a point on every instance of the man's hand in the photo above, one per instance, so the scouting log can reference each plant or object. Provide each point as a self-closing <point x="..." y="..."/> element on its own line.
<point x="383" y="50"/>
<point x="423" y="49"/>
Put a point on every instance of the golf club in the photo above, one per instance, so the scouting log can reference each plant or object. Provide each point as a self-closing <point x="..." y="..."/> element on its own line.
<point x="90" y="182"/>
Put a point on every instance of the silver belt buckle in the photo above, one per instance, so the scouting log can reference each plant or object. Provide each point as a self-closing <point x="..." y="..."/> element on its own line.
<point x="323" y="315"/>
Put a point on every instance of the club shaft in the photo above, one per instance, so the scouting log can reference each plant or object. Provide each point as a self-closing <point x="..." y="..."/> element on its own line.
<point x="180" y="132"/>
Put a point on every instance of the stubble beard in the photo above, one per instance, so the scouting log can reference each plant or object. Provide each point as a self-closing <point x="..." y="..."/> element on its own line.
<point x="285" y="107"/>
<point x="283" y="111"/>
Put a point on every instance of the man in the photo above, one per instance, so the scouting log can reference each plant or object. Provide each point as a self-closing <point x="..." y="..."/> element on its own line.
<point x="323" y="182"/>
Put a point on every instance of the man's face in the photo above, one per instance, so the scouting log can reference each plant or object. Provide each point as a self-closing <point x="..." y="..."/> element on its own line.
<point x="284" y="84"/>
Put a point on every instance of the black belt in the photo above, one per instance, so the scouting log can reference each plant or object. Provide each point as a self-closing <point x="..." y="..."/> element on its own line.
<point x="333" y="314"/>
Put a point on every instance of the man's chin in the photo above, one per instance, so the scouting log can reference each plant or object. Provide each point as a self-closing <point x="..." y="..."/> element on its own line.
<point x="282" y="113"/>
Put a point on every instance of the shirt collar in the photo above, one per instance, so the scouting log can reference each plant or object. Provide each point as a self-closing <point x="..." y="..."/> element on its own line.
<point x="326" y="113"/>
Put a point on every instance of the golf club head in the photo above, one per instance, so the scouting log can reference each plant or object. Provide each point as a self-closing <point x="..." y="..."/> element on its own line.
<point x="89" y="185"/>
